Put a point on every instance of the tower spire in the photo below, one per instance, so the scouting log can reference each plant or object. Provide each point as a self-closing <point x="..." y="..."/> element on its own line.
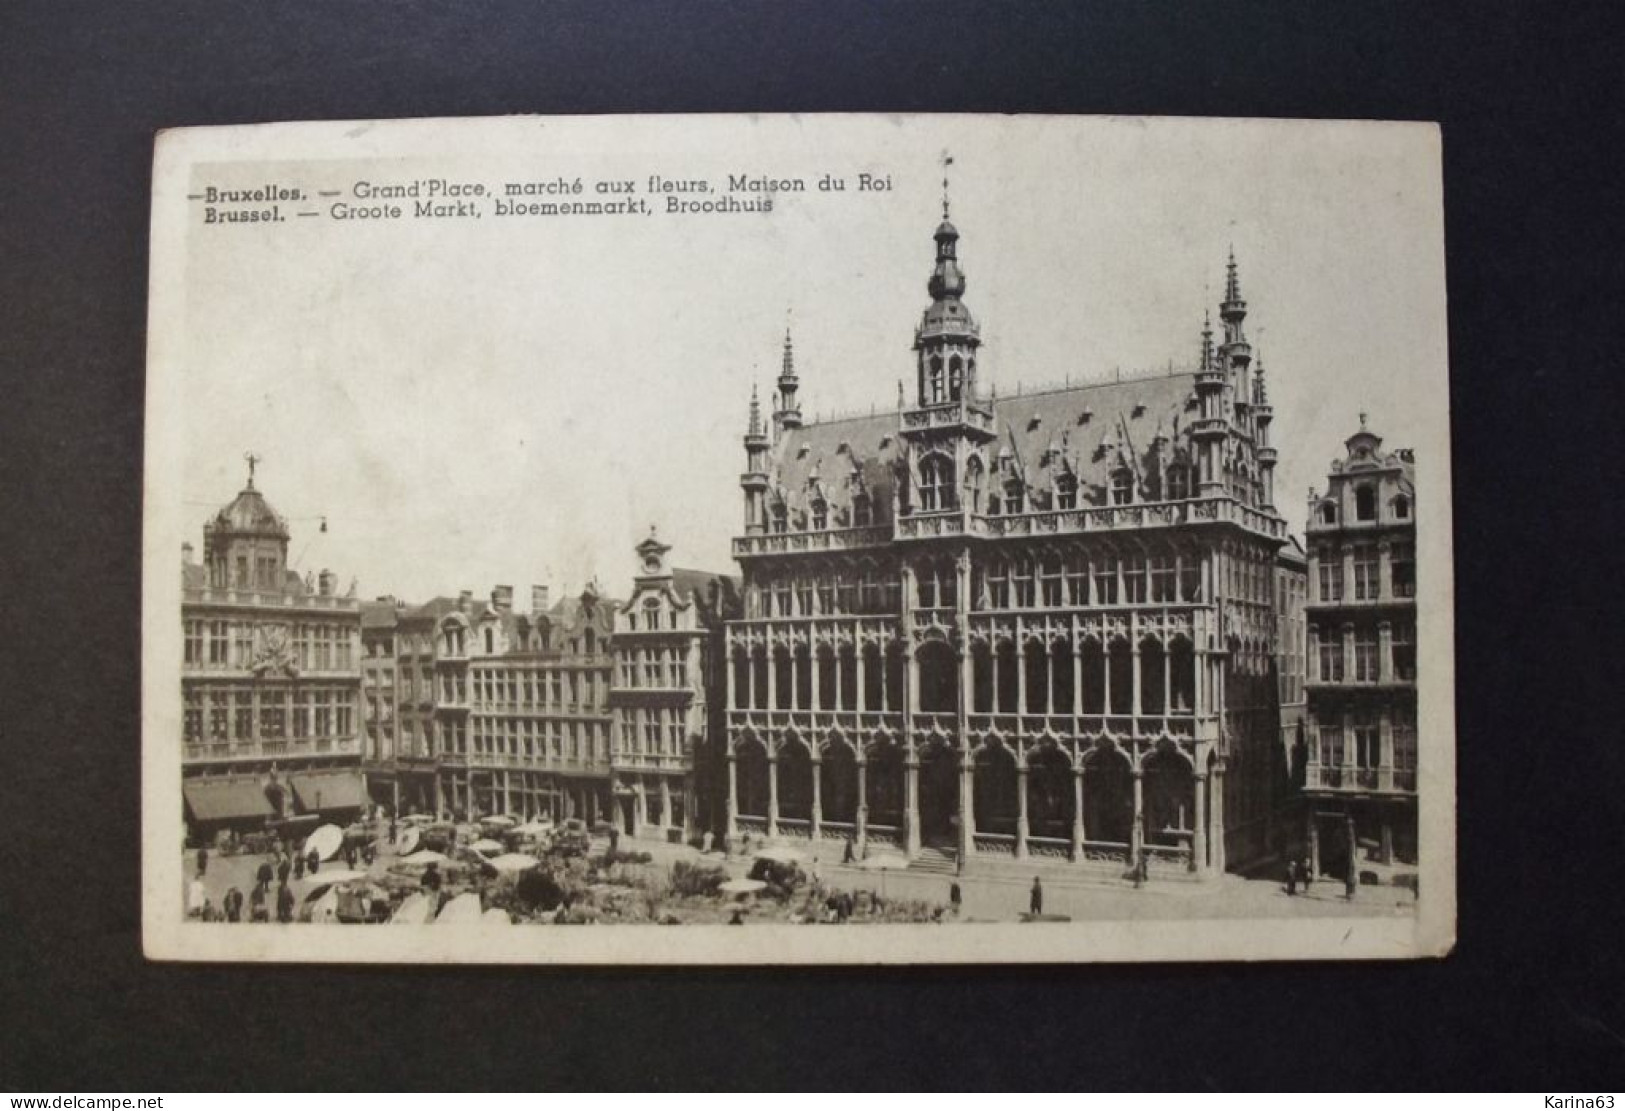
<point x="1232" y="284"/>
<point x="755" y="428"/>
<point x="788" y="414"/>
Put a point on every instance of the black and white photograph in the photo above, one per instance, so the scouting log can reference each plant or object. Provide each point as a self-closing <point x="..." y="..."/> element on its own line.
<point x="798" y="539"/>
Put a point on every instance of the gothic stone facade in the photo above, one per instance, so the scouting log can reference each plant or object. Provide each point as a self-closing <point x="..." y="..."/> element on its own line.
<point x="1360" y="773"/>
<point x="1043" y="626"/>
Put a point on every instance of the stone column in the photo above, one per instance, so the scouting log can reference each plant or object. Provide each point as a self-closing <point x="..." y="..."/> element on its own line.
<point x="861" y="836"/>
<point x="1216" y="817"/>
<point x="814" y="697"/>
<point x="732" y="828"/>
<point x="772" y="677"/>
<point x="1021" y="809"/>
<point x="1386" y="818"/>
<point x="1314" y="844"/>
<point x="1385" y="651"/>
<point x="665" y="802"/>
<point x="1077" y="812"/>
<point x="1199" y="862"/>
<point x="967" y="806"/>
<point x="733" y="695"/>
<point x="1021" y="669"/>
<point x="1137" y="831"/>
<point x="817" y="831"/>
<point x="772" y="794"/>
<point x="911" y="803"/>
<point x="857" y="659"/>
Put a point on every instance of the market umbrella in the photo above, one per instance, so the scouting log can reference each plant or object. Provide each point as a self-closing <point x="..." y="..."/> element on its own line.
<point x="415" y="910"/>
<point x="332" y="876"/>
<point x="500" y="820"/>
<point x="496" y="916"/>
<point x="742" y="887"/>
<point x="462" y="911"/>
<point x="406" y="840"/>
<point x="323" y="905"/>
<point x="513" y="862"/>
<point x="487" y="846"/>
<point x="423" y="857"/>
<point x="327" y="841"/>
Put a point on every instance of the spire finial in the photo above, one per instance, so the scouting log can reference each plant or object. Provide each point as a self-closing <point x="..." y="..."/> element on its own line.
<point x="788" y="369"/>
<point x="253" y="461"/>
<point x="1362" y="420"/>
<point x="1232" y="285"/>
<point x="947" y="160"/>
<point x="755" y="412"/>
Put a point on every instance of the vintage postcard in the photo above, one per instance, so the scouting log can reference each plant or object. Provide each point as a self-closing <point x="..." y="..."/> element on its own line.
<point x="740" y="539"/>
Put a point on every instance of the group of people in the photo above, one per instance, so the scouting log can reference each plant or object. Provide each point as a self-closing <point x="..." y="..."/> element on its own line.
<point x="272" y="891"/>
<point x="1300" y="874"/>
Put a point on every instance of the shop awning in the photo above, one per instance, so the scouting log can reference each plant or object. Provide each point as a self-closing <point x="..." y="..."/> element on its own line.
<point x="224" y="800"/>
<point x="327" y="791"/>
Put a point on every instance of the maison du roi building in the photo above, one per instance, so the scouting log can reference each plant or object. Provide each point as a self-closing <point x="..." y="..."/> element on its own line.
<point x="1359" y="763"/>
<point x="1042" y="626"/>
<point x="270" y="678"/>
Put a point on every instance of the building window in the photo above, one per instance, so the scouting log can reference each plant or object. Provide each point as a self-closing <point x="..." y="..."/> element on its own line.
<point x="1164" y="579"/>
<point x="1403" y="644"/>
<point x="1404" y="739"/>
<point x="1367" y="744"/>
<point x="820" y="514"/>
<point x="1365" y="503"/>
<point x="1331" y="579"/>
<point x="936" y="483"/>
<point x="1122" y="486"/>
<point x="219" y="716"/>
<point x="780" y="518"/>
<point x="1077" y="581"/>
<point x="1106" y="582"/>
<point x="935" y="392"/>
<point x="1331" y="746"/>
<point x="1134" y="580"/>
<point x="1015" y="497"/>
<point x="1328" y="514"/>
<point x="1052" y="583"/>
<point x="192" y="719"/>
<point x="826" y="596"/>
<point x="1021" y="579"/>
<point x="1331" y="661"/>
<point x="1066" y="492"/>
<point x="273" y="722"/>
<point x="1365" y="573"/>
<point x="998" y="585"/>
<point x="1402" y="568"/>
<point x="1402" y="508"/>
<point x="1365" y="656"/>
<point x="861" y="512"/>
<point x="1179" y="482"/>
<point x="194" y="643"/>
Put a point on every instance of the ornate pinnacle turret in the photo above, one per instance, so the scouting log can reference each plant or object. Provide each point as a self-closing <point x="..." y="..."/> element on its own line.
<point x="755" y="428"/>
<point x="1260" y="395"/>
<point x="1205" y="354"/>
<point x="788" y="414"/>
<point x="1232" y="284"/>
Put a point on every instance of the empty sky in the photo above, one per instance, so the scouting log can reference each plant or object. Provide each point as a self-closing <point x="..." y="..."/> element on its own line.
<point x="516" y="401"/>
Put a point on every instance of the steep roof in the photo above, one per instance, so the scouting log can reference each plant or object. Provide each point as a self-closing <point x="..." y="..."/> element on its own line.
<point x="1089" y="430"/>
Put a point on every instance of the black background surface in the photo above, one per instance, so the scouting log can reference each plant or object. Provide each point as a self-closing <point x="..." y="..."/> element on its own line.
<point x="1527" y="94"/>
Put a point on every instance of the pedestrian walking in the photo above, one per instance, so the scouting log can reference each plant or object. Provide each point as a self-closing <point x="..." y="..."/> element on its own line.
<point x="1036" y="902"/>
<point x="256" y="904"/>
<point x="299" y="866"/>
<point x="265" y="874"/>
<point x="614" y="839"/>
<point x="849" y="857"/>
<point x="283" y="867"/>
<point x="284" y="904"/>
<point x="313" y="862"/>
<point x="1308" y="874"/>
<point x="954" y="897"/>
<point x="234" y="905"/>
<point x="349" y="855"/>
<point x="1292" y="877"/>
<point x="202" y="860"/>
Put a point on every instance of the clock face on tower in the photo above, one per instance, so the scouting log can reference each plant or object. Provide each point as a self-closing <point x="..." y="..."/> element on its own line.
<point x="651" y="563"/>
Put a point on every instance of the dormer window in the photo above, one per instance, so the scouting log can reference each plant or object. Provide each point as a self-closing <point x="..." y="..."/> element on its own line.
<point x="1122" y="487"/>
<point x="1179" y="483"/>
<point x="780" y="519"/>
<point x="1066" y="492"/>
<point x="820" y="514"/>
<point x="861" y="510"/>
<point x="1328" y="514"/>
<point x="1402" y="508"/>
<point x="1014" y="499"/>
<point x="936" y="483"/>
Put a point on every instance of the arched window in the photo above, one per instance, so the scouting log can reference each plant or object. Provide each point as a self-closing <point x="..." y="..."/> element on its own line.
<point x="490" y="642"/>
<point x="1365" y="503"/>
<point x="861" y="510"/>
<point x="973" y="483"/>
<point x="1402" y="507"/>
<point x="936" y="483"/>
<point x="1328" y="514"/>
<point x="934" y="394"/>
<point x="780" y="517"/>
<point x="589" y="641"/>
<point x="956" y="377"/>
